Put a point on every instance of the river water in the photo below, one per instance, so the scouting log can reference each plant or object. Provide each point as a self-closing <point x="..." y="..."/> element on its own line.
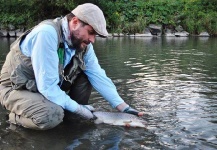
<point x="172" y="79"/>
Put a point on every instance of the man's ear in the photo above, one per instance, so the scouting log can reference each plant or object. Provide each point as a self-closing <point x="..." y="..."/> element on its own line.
<point x="74" y="23"/>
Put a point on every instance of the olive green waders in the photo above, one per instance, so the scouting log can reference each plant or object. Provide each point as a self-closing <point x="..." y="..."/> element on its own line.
<point x="30" y="110"/>
<point x="33" y="110"/>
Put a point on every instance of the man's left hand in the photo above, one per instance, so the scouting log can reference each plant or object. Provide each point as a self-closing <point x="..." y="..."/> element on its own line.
<point x="123" y="107"/>
<point x="130" y="110"/>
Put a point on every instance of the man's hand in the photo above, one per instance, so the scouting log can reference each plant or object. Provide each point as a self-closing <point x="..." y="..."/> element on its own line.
<point x="130" y="110"/>
<point x="84" y="111"/>
<point x="123" y="107"/>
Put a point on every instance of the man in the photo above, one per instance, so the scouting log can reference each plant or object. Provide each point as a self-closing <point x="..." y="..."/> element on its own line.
<point x="50" y="70"/>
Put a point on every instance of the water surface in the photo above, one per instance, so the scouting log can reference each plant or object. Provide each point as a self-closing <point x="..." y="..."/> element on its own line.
<point x="173" y="80"/>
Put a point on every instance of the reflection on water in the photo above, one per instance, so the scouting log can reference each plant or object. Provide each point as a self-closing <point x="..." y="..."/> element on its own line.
<point x="173" y="80"/>
<point x="105" y="137"/>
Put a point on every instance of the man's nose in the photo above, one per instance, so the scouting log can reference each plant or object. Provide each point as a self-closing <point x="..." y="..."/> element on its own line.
<point x="92" y="38"/>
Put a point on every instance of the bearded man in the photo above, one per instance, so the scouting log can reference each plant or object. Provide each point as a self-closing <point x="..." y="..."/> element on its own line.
<point x="51" y="69"/>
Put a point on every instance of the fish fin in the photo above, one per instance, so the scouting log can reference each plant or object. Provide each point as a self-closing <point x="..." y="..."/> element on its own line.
<point x="127" y="125"/>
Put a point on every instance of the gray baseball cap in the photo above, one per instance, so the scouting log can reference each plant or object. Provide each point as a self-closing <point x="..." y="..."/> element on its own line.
<point x="92" y="15"/>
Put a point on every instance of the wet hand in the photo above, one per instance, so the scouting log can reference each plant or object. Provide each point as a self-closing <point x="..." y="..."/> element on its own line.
<point x="91" y="108"/>
<point x="85" y="111"/>
<point x="123" y="107"/>
<point x="130" y="110"/>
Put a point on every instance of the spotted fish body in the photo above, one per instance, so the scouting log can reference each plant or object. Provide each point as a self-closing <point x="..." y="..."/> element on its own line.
<point x="119" y="119"/>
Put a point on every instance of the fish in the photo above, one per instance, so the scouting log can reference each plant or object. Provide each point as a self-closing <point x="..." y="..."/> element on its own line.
<point x="119" y="119"/>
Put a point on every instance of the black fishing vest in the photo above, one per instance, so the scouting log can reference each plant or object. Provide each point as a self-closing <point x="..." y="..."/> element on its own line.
<point x="17" y="71"/>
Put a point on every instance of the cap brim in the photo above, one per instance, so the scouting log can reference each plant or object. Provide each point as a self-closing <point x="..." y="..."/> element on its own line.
<point x="102" y="36"/>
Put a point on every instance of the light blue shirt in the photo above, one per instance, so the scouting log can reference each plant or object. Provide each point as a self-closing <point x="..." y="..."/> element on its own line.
<point x="41" y="45"/>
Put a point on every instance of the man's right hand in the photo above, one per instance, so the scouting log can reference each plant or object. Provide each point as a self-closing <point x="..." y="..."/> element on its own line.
<point x="84" y="111"/>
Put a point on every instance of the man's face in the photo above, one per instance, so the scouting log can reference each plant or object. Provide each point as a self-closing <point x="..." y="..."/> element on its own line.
<point x="81" y="34"/>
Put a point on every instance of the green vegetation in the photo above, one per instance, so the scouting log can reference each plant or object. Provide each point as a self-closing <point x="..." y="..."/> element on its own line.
<point x="123" y="16"/>
<point x="199" y="15"/>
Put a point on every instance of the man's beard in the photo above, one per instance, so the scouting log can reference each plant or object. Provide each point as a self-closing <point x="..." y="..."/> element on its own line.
<point x="76" y="43"/>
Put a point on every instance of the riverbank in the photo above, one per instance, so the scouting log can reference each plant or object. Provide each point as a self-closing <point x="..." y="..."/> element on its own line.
<point x="122" y="16"/>
<point x="147" y="33"/>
